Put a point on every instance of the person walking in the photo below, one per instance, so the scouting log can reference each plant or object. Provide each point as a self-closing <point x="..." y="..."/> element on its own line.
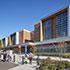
<point x="30" y="57"/>
<point x="23" y="59"/>
<point x="4" y="56"/>
<point x="26" y="59"/>
<point x="38" y="60"/>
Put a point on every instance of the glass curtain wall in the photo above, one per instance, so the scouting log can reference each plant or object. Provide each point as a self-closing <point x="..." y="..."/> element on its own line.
<point x="13" y="39"/>
<point x="47" y="29"/>
<point x="61" y="25"/>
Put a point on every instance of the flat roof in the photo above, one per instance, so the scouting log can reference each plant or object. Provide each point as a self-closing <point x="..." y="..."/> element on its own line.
<point x="56" y="12"/>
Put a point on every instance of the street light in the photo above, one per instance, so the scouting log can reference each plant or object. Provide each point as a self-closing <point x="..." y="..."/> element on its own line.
<point x="62" y="46"/>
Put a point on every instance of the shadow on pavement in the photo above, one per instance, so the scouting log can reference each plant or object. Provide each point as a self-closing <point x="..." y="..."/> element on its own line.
<point x="6" y="65"/>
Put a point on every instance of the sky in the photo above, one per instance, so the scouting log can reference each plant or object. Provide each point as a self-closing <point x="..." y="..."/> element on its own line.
<point x="16" y="15"/>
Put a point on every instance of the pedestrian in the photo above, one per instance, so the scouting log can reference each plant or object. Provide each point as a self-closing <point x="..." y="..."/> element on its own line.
<point x="4" y="56"/>
<point x="30" y="57"/>
<point x="8" y="58"/>
<point x="13" y="57"/>
<point x="38" y="60"/>
<point x="23" y="59"/>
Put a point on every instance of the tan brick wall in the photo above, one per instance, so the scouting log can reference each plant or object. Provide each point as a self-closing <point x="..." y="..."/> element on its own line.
<point x="24" y="35"/>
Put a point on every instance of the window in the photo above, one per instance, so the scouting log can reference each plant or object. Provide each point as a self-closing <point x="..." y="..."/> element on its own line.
<point x="47" y="29"/>
<point x="61" y="25"/>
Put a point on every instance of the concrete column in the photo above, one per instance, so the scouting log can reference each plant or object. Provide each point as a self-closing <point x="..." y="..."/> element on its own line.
<point x="6" y="41"/>
<point x="25" y="48"/>
<point x="17" y="37"/>
<point x="41" y="31"/>
<point x="19" y="49"/>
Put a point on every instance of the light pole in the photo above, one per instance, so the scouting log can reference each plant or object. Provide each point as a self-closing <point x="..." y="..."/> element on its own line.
<point x="62" y="46"/>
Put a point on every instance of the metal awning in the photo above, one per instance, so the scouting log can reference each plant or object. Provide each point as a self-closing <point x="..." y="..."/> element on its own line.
<point x="56" y="40"/>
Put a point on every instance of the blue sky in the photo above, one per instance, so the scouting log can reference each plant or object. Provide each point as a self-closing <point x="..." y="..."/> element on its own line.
<point x="16" y="15"/>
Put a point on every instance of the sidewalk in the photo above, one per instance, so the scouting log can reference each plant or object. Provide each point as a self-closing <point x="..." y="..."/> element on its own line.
<point x="6" y="65"/>
<point x="33" y="66"/>
<point x="25" y="67"/>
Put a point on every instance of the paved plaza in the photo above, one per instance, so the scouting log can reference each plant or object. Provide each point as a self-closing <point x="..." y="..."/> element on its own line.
<point x="11" y="66"/>
<point x="25" y="67"/>
<point x="6" y="65"/>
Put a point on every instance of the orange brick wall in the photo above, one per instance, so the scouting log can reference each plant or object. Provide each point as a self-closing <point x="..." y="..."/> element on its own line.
<point x="32" y="35"/>
<point x="20" y="37"/>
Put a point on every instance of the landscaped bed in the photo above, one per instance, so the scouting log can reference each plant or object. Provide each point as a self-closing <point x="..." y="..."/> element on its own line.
<point x="48" y="64"/>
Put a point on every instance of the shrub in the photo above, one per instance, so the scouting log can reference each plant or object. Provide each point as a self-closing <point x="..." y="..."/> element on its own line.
<point x="43" y="68"/>
<point x="66" y="56"/>
<point x="51" y="67"/>
<point x="48" y="64"/>
<point x="43" y="62"/>
<point x="60" y="66"/>
<point x="67" y="64"/>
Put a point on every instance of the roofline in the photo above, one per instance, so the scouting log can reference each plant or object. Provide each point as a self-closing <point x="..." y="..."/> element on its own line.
<point x="51" y="14"/>
<point x="55" y="12"/>
<point x="15" y="32"/>
<point x="26" y="30"/>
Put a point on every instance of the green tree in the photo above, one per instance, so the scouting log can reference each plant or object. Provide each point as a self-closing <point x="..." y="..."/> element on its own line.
<point x="0" y="43"/>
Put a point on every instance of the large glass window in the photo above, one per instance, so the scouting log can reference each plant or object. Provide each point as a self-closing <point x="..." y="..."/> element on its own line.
<point x="13" y="39"/>
<point x="47" y="29"/>
<point x="4" y="42"/>
<point x="61" y="25"/>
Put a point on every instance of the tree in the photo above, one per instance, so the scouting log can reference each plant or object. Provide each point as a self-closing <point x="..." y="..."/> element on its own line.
<point x="0" y="43"/>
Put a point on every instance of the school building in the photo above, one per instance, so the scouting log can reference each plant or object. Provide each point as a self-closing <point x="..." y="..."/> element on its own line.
<point x="51" y="36"/>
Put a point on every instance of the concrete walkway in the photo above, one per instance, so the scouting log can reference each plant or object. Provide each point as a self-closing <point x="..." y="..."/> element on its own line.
<point x="25" y="67"/>
<point x="6" y="65"/>
<point x="33" y="66"/>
